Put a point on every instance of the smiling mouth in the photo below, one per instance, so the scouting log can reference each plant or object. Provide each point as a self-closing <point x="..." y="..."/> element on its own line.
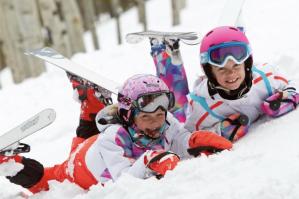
<point x="155" y="133"/>
<point x="232" y="80"/>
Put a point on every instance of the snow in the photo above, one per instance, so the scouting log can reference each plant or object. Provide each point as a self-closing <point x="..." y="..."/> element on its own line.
<point x="10" y="168"/>
<point x="264" y="164"/>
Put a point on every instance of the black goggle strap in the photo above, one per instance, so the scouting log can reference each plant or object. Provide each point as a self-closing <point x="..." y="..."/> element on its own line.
<point x="171" y="99"/>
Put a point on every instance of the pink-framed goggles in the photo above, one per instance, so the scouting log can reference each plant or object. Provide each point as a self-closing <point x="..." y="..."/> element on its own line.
<point x="218" y="55"/>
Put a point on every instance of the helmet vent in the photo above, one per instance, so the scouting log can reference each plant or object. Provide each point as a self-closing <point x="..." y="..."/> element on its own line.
<point x="209" y="33"/>
<point x="233" y="28"/>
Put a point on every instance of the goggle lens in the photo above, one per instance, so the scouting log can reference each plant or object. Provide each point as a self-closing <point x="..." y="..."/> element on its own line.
<point x="151" y="102"/>
<point x="219" y="55"/>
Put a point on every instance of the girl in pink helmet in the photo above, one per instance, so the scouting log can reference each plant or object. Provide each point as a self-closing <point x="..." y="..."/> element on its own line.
<point x="233" y="92"/>
<point x="145" y="141"/>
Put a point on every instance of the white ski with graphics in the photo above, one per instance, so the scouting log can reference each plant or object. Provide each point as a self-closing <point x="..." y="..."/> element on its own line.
<point x="53" y="57"/>
<point x="9" y="141"/>
<point x="186" y="37"/>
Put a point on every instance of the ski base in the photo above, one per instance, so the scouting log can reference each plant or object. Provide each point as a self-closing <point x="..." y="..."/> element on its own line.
<point x="53" y="57"/>
<point x="186" y="37"/>
<point x="9" y="141"/>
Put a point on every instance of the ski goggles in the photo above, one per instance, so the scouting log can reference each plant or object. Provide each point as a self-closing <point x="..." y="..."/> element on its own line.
<point x="218" y="55"/>
<point x="150" y="102"/>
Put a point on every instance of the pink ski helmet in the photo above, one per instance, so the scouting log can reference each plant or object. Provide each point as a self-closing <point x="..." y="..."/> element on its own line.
<point x="145" y="93"/>
<point x="222" y="34"/>
<point x="226" y="35"/>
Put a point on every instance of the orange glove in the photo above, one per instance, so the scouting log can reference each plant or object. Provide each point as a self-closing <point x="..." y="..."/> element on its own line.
<point x="161" y="161"/>
<point x="207" y="142"/>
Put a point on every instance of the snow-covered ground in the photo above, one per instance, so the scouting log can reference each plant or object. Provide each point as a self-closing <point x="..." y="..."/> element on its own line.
<point x="264" y="165"/>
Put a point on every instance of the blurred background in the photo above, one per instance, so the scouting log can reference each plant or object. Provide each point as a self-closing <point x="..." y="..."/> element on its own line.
<point x="28" y="24"/>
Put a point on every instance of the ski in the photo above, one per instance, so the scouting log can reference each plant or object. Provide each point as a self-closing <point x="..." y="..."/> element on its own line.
<point x="231" y="16"/>
<point x="53" y="57"/>
<point x="231" y="13"/>
<point x="9" y="141"/>
<point x="186" y="37"/>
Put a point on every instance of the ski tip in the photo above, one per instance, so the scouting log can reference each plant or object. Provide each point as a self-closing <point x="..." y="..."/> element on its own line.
<point x="45" y="51"/>
<point x="28" y="52"/>
<point x="51" y="113"/>
<point x="33" y="51"/>
<point x="133" y="38"/>
<point x="190" y="38"/>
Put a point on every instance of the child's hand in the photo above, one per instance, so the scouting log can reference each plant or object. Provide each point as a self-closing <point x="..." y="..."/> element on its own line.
<point x="280" y="103"/>
<point x="207" y="142"/>
<point x="161" y="161"/>
<point x="234" y="127"/>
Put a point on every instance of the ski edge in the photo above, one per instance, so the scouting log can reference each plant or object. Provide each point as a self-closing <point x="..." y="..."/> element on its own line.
<point x="136" y="37"/>
<point x="28" y="126"/>
<point x="94" y="77"/>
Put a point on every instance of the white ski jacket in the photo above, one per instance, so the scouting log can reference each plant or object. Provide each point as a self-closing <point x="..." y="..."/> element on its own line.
<point x="116" y="153"/>
<point x="204" y="112"/>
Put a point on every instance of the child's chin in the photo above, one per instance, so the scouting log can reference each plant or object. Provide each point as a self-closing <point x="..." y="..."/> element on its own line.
<point x="154" y="134"/>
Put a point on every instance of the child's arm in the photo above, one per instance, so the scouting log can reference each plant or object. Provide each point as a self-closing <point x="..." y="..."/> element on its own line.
<point x="118" y="154"/>
<point x="284" y="98"/>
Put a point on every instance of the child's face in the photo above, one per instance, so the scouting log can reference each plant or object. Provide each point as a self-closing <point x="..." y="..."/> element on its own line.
<point x="231" y="76"/>
<point x="150" y="123"/>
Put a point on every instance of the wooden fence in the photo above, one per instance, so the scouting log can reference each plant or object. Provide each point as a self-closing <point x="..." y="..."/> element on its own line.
<point x="28" y="24"/>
